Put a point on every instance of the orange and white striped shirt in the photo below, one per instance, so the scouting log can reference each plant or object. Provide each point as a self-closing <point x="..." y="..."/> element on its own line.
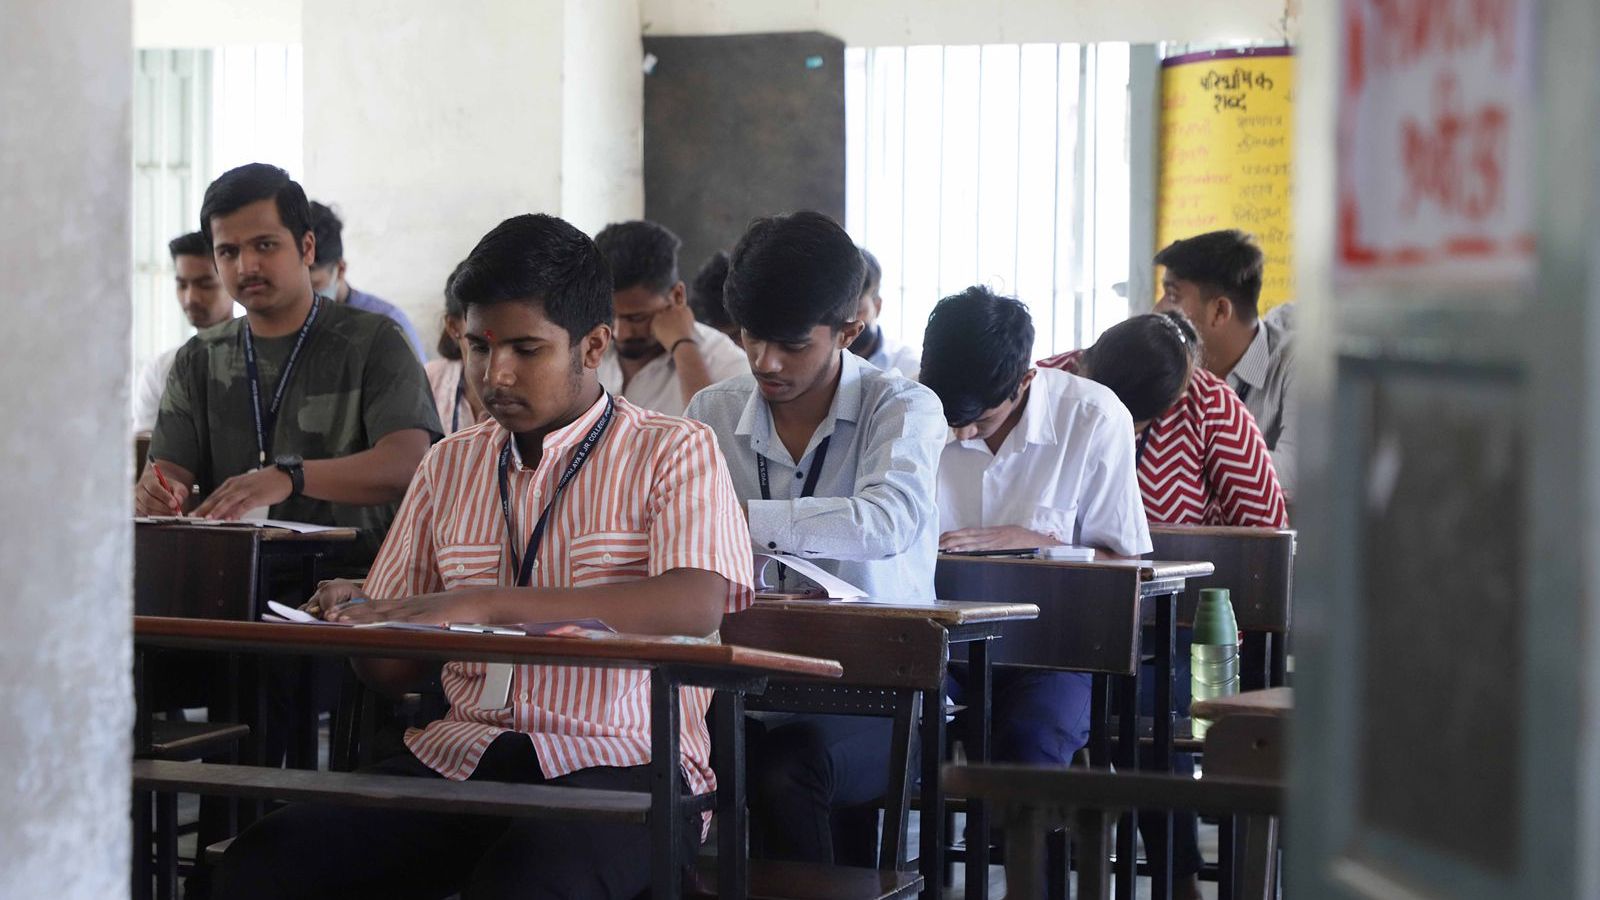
<point x="654" y="496"/>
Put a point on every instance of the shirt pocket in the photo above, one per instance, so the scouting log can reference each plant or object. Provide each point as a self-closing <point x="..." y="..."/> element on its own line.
<point x="609" y="557"/>
<point x="1061" y="524"/>
<point x="469" y="565"/>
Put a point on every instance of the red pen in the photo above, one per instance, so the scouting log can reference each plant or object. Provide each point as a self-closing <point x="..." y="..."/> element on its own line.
<point x="176" y="508"/>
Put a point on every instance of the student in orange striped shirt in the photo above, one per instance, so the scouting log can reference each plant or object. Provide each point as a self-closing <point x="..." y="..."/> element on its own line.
<point x="569" y="503"/>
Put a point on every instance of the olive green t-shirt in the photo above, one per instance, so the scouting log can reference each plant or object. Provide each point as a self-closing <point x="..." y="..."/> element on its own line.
<point x="356" y="380"/>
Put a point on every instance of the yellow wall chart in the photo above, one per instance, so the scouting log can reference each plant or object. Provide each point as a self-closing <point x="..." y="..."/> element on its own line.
<point x="1227" y="126"/>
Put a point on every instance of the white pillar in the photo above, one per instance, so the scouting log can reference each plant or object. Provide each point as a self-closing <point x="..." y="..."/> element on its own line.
<point x="602" y="131"/>
<point x="65" y="538"/>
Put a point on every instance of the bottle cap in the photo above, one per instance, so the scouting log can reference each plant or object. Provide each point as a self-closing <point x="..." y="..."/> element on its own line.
<point x="1213" y="618"/>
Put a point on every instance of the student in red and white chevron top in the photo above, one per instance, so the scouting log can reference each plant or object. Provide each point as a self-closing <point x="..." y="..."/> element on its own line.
<point x="1201" y="461"/>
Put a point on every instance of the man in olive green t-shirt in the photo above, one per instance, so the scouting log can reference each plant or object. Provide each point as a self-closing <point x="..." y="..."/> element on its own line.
<point x="319" y="411"/>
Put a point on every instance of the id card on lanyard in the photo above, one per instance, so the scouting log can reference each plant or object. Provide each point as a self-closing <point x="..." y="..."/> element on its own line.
<point x="267" y="420"/>
<point x="806" y="490"/>
<point x="496" y="693"/>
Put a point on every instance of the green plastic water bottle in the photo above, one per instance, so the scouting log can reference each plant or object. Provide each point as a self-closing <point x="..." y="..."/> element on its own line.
<point x="1214" y="655"/>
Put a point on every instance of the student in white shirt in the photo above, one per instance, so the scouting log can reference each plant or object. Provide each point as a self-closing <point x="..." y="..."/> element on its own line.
<point x="660" y="356"/>
<point x="835" y="461"/>
<point x="873" y="345"/>
<point x="204" y="304"/>
<point x="1036" y="458"/>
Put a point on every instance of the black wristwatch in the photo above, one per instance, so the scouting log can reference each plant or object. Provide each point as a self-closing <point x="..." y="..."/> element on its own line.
<point x="294" y="467"/>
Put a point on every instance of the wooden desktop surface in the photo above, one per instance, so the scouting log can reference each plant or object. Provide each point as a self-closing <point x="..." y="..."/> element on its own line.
<point x="622" y="651"/>
<point x="949" y="613"/>
<point x="1275" y="702"/>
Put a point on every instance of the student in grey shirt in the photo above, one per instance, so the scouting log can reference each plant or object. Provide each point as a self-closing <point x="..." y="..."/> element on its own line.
<point x="1215" y="280"/>
<point x="851" y="457"/>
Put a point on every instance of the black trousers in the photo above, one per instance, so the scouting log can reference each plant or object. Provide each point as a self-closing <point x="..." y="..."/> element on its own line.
<point x="315" y="850"/>
<point x="815" y="782"/>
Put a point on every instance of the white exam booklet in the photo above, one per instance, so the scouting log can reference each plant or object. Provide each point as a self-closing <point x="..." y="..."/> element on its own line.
<point x="766" y="576"/>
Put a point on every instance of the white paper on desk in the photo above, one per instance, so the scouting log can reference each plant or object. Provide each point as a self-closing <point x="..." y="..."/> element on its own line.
<point x="766" y="576"/>
<point x="284" y="613"/>
<point x="297" y="527"/>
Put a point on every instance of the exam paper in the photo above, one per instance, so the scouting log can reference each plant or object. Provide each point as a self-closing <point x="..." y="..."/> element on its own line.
<point x="766" y="576"/>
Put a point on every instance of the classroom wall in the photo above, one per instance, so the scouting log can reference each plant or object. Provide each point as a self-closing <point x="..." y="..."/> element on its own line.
<point x="602" y="131"/>
<point x="425" y="128"/>
<point x="895" y="22"/>
<point x="215" y="23"/>
<point x="65" y="542"/>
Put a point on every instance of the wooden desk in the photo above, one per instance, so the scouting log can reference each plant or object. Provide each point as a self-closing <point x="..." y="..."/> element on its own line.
<point x="225" y="572"/>
<point x="1090" y="620"/>
<point x="732" y="670"/>
<point x="1256" y="565"/>
<point x="971" y="625"/>
<point x="1275" y="702"/>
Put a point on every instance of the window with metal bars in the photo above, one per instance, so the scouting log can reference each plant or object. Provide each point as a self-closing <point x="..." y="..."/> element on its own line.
<point x="1005" y="165"/>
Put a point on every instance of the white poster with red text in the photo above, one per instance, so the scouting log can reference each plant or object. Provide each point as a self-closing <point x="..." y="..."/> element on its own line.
<point x="1437" y="120"/>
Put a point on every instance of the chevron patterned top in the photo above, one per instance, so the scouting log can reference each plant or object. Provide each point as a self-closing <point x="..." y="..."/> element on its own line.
<point x="1205" y="462"/>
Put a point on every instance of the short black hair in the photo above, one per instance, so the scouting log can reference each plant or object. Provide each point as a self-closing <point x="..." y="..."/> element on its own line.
<point x="536" y="258"/>
<point x="790" y="274"/>
<point x="1145" y="360"/>
<point x="1226" y="263"/>
<point x="250" y="183"/>
<point x="874" y="276"/>
<point x="191" y="244"/>
<point x="975" y="351"/>
<point x="328" y="228"/>
<point x="705" y="294"/>
<point x="640" y="254"/>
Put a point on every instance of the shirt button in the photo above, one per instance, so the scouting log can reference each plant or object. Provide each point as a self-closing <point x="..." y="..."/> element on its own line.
<point x="538" y="492"/>
<point x="536" y="564"/>
<point x="605" y="557"/>
<point x="460" y="568"/>
<point x="772" y="545"/>
<point x="799" y="475"/>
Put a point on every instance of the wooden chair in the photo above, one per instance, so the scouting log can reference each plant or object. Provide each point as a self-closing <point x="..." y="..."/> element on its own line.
<point x="1246" y="740"/>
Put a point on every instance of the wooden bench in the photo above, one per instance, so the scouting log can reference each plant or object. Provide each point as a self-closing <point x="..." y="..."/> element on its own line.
<point x="1090" y="620"/>
<point x="1034" y="800"/>
<point x="731" y="670"/>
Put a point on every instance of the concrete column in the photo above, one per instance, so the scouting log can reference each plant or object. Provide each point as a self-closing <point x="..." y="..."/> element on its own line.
<point x="65" y="692"/>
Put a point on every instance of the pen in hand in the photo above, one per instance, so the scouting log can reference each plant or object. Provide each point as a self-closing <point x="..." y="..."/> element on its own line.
<point x="177" y="510"/>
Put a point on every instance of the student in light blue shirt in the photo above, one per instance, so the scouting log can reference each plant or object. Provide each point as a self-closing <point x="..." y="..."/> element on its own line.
<point x="850" y="456"/>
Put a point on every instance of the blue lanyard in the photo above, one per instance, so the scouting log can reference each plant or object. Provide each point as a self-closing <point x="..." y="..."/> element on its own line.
<point x="810" y="486"/>
<point x="524" y="564"/>
<point x="268" y="420"/>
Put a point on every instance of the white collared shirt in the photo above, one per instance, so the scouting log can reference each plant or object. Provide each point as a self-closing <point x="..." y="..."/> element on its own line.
<point x="655" y="386"/>
<point x="893" y="356"/>
<point x="1066" y="469"/>
<point x="871" y="519"/>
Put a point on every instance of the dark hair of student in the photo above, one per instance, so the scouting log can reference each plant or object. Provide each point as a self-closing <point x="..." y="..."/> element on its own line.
<point x="874" y="276"/>
<point x="325" y="224"/>
<point x="541" y="259"/>
<point x="1226" y="263"/>
<point x="448" y="348"/>
<point x="237" y="188"/>
<point x="975" y="351"/>
<point x="789" y="274"/>
<point x="705" y="294"/>
<point x="191" y="244"/>
<point x="1145" y="360"/>
<point x="640" y="254"/>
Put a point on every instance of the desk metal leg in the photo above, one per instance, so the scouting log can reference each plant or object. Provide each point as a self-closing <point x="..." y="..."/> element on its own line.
<point x="979" y="694"/>
<point x="1127" y="868"/>
<point x="892" y="848"/>
<point x="1160" y="853"/>
<point x="930" y="859"/>
<point x="733" y="811"/>
<point x="666" y="821"/>
<point x="1255" y="663"/>
<point x="1100" y="721"/>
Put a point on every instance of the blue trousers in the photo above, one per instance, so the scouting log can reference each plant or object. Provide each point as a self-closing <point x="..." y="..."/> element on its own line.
<point x="1038" y="716"/>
